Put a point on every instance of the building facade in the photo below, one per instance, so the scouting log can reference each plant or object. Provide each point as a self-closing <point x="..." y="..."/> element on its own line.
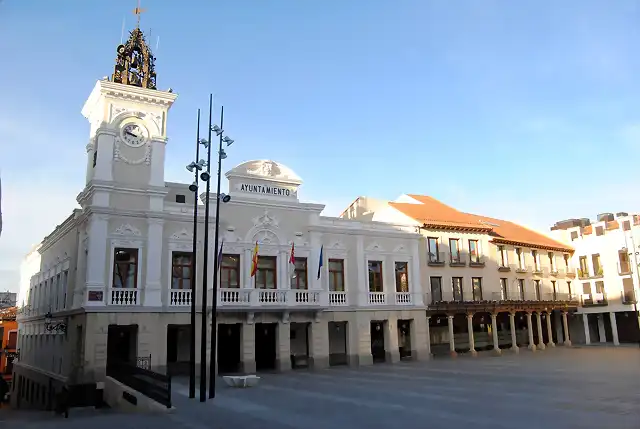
<point x="8" y="342"/>
<point x="488" y="283"/>
<point x="113" y="282"/>
<point x="607" y="258"/>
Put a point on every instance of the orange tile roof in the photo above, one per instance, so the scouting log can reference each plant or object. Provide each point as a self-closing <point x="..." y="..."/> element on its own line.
<point x="433" y="213"/>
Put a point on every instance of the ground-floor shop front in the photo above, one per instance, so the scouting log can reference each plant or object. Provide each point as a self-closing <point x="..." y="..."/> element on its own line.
<point x="606" y="327"/>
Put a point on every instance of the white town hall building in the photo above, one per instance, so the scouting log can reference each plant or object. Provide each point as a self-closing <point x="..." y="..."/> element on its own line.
<point x="117" y="272"/>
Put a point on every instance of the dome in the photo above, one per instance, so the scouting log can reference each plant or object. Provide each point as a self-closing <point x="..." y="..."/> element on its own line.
<point x="265" y="169"/>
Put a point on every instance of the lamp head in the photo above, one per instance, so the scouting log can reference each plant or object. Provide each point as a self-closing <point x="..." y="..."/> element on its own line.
<point x="225" y="198"/>
<point x="191" y="166"/>
<point x="216" y="129"/>
<point x="201" y="164"/>
<point x="223" y="154"/>
<point x="227" y="140"/>
<point x="193" y="187"/>
<point x="205" y="176"/>
<point x="204" y="142"/>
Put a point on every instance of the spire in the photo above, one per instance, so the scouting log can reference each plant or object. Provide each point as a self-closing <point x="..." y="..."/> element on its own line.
<point x="135" y="64"/>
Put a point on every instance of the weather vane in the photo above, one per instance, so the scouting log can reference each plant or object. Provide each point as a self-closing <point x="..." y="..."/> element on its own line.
<point x="138" y="11"/>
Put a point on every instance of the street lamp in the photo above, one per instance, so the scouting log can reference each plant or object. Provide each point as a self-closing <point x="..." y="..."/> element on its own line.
<point x="216" y="263"/>
<point x="195" y="167"/>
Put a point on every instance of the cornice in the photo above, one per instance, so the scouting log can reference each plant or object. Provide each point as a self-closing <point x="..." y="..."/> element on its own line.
<point x="138" y="94"/>
<point x="531" y="245"/>
<point x="60" y="231"/>
<point x="333" y="229"/>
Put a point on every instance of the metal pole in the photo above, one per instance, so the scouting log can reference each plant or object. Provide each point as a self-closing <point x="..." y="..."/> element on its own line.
<point x="192" y="334"/>
<point x="216" y="263"/>
<point x="637" y="270"/>
<point x="203" y="345"/>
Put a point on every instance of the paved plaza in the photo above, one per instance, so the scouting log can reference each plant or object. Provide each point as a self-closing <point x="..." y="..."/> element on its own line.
<point x="591" y="387"/>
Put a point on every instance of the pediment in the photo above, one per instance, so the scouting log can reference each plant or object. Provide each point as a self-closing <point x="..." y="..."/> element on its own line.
<point x="127" y="229"/>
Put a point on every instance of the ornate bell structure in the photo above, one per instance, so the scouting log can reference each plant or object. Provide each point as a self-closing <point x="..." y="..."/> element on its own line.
<point x="135" y="63"/>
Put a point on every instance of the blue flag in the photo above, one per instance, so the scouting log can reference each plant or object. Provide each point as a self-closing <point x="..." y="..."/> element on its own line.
<point x="320" y="263"/>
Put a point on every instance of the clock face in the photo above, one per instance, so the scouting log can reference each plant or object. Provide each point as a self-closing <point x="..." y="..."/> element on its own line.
<point x="133" y="135"/>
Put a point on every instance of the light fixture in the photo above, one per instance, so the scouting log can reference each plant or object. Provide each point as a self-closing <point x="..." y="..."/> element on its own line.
<point x="227" y="140"/>
<point x="191" y="167"/>
<point x="204" y="142"/>
<point x="225" y="198"/>
<point x="223" y="154"/>
<point x="216" y="129"/>
<point x="205" y="176"/>
<point x="193" y="187"/>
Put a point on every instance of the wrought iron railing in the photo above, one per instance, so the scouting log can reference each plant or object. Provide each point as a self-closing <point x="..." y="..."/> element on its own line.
<point x="151" y="384"/>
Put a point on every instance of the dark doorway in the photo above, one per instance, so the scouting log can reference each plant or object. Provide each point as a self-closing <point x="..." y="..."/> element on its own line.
<point x="377" y="341"/>
<point x="265" y="346"/>
<point x="299" y="343"/>
<point x="338" y="343"/>
<point x="122" y="344"/>
<point x="178" y="349"/>
<point x="404" y="338"/>
<point x="229" y="348"/>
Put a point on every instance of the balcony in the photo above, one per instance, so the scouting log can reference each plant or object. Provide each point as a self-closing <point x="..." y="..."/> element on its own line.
<point x="457" y="261"/>
<point x="593" y="299"/>
<point x="537" y="270"/>
<point x="477" y="261"/>
<point x="571" y="273"/>
<point x="504" y="268"/>
<point x="583" y="274"/>
<point x="377" y="298"/>
<point x="338" y="299"/>
<point x="180" y="297"/>
<point x="521" y="269"/>
<point x="598" y="272"/>
<point x="624" y="269"/>
<point x="403" y="298"/>
<point x="436" y="259"/>
<point x="233" y="297"/>
<point x="122" y="296"/>
<point x="554" y="272"/>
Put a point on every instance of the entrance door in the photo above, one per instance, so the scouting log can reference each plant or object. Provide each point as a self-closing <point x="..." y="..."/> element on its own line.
<point x="229" y="348"/>
<point x="178" y="349"/>
<point x="404" y="338"/>
<point x="299" y="343"/>
<point x="377" y="341"/>
<point x="121" y="344"/>
<point x="265" y="346"/>
<point x="338" y="343"/>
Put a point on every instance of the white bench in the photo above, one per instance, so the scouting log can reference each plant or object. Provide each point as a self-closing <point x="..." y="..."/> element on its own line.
<point x="241" y="380"/>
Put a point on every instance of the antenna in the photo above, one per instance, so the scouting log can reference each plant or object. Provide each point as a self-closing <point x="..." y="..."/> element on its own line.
<point x="122" y="32"/>
<point x="157" y="44"/>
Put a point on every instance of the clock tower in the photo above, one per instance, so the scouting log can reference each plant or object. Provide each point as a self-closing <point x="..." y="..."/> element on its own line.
<point x="128" y="127"/>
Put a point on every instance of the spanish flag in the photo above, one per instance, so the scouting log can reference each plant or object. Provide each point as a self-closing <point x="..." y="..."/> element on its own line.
<point x="254" y="259"/>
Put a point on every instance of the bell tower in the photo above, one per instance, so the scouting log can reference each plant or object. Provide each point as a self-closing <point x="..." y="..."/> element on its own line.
<point x="128" y="123"/>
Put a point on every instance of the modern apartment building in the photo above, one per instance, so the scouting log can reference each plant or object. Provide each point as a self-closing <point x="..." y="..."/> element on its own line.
<point x="607" y="258"/>
<point x="484" y="278"/>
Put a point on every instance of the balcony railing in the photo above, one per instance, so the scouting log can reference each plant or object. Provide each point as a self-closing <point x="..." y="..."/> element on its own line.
<point x="476" y="261"/>
<point x="122" y="296"/>
<point x="629" y="297"/>
<point x="593" y="299"/>
<point x="337" y="299"/>
<point x="521" y="269"/>
<point x="583" y="274"/>
<point x="554" y="272"/>
<point x="571" y="273"/>
<point x="403" y="298"/>
<point x="536" y="270"/>
<point x="180" y="297"/>
<point x="435" y="259"/>
<point x="504" y="268"/>
<point x="377" y="298"/>
<point x="457" y="260"/>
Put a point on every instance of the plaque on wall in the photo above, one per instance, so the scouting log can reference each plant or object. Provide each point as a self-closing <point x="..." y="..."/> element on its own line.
<point x="95" y="295"/>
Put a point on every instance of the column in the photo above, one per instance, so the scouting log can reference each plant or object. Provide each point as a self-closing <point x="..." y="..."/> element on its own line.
<point x="284" y="281"/>
<point x="319" y="345"/>
<point x="248" y="348"/>
<point x="565" y="325"/>
<point x="362" y="286"/>
<point x="247" y="280"/>
<point x="549" y="330"/>
<point x="472" y="345"/>
<point x="531" y="346"/>
<point x="415" y="285"/>
<point x="452" y="341"/>
<point x="587" y="333"/>
<point x="514" y="339"/>
<point x="96" y="262"/>
<point x="283" y="350"/>
<point x="391" y="349"/>
<point x="359" y="339"/>
<point x="420" y="341"/>
<point x="156" y="170"/>
<point x="494" y="332"/>
<point x="540" y="335"/>
<point x="602" y="335"/>
<point x="614" y="328"/>
<point x="152" y="288"/>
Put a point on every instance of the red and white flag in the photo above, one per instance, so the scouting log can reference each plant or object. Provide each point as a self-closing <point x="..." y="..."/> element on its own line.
<point x="292" y="257"/>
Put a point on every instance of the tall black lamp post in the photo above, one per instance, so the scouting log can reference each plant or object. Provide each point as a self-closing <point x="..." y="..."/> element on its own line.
<point x="195" y="167"/>
<point x="216" y="264"/>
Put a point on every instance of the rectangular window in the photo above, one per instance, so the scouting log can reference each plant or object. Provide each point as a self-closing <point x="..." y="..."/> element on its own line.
<point x="626" y="225"/>
<point x="536" y="287"/>
<point x="336" y="275"/>
<point x="456" y="283"/>
<point x="436" y="289"/>
<point x="628" y="293"/>
<point x="95" y="157"/>
<point x="519" y="256"/>
<point x="502" y="252"/>
<point x="230" y="271"/>
<point x="476" y="282"/>
<point x="402" y="277"/>
<point x="299" y="278"/>
<point x="597" y="267"/>
<point x="599" y="231"/>
<point x="599" y="287"/>
<point x="504" y="289"/>
<point x="454" y="249"/>
<point x="474" y="251"/>
<point x="584" y="267"/>
<point x="536" y="261"/>
<point x="12" y="342"/>
<point x="181" y="199"/>
<point x="181" y="268"/>
<point x="434" y="253"/>
<point x="266" y="275"/>
<point x="624" y="267"/>
<point x="566" y="261"/>
<point x="521" y="289"/>
<point x="586" y="288"/>
<point x="375" y="276"/>
<point x="569" y="290"/>
<point x="125" y="268"/>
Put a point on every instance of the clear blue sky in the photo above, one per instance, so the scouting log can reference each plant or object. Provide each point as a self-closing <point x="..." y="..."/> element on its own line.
<point x="525" y="110"/>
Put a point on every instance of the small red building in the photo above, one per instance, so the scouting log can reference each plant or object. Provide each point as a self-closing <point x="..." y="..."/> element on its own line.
<point x="8" y="341"/>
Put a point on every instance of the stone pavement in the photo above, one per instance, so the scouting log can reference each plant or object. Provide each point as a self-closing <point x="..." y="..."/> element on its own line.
<point x="556" y="388"/>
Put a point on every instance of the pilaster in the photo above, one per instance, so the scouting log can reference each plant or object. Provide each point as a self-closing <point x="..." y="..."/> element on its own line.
<point x="96" y="261"/>
<point x="416" y="282"/>
<point x="283" y="350"/>
<point x="248" y="348"/>
<point x="156" y="177"/>
<point x="391" y="340"/>
<point x="319" y="345"/>
<point x="614" y="328"/>
<point x="153" y="287"/>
